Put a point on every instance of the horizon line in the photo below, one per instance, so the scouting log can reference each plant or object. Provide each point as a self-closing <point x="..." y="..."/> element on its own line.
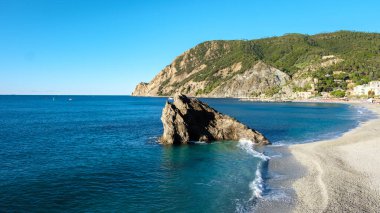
<point x="65" y="94"/>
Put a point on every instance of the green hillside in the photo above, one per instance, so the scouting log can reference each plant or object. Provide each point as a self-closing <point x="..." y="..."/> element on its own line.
<point x="290" y="53"/>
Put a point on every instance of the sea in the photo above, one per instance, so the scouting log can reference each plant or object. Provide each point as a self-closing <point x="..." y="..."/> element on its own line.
<point x="101" y="154"/>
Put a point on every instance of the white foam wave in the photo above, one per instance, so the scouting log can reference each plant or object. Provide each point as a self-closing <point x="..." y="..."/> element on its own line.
<point x="243" y="206"/>
<point x="153" y="139"/>
<point x="200" y="142"/>
<point x="278" y="195"/>
<point x="279" y="144"/>
<point x="257" y="185"/>
<point x="248" y="146"/>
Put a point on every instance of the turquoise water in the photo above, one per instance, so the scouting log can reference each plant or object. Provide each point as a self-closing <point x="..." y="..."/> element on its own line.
<point x="99" y="153"/>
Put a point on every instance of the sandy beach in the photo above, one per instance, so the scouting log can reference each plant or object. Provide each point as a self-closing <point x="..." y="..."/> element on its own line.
<point x="343" y="174"/>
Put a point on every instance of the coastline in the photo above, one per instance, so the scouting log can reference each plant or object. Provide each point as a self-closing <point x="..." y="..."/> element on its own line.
<point x="271" y="100"/>
<point x="342" y="174"/>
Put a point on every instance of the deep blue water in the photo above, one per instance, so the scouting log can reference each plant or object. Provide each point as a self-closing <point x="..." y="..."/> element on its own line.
<point x="99" y="153"/>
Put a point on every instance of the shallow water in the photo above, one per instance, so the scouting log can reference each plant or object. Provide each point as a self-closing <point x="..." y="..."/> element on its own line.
<point x="99" y="153"/>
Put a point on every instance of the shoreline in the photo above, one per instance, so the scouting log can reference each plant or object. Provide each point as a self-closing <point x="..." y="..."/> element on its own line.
<point x="351" y="100"/>
<point x="342" y="174"/>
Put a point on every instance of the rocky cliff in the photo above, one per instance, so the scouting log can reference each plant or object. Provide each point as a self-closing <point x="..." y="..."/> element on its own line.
<point x="289" y="66"/>
<point x="188" y="119"/>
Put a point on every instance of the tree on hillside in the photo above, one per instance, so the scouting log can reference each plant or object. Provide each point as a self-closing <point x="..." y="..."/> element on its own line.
<point x="371" y="94"/>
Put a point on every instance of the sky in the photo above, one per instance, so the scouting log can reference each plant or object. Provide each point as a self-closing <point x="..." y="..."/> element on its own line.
<point x="105" y="47"/>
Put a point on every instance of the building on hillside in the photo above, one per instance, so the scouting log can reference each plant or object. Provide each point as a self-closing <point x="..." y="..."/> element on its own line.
<point x="365" y="88"/>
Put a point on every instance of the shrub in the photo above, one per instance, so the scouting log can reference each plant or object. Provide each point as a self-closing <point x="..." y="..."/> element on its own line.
<point x="338" y="93"/>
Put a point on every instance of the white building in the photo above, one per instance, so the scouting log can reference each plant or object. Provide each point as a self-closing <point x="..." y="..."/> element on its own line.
<point x="365" y="88"/>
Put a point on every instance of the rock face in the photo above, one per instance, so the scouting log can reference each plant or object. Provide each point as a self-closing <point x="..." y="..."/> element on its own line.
<point x="257" y="80"/>
<point x="188" y="119"/>
<point x="141" y="89"/>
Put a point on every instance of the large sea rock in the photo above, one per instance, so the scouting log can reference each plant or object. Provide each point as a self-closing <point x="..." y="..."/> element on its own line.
<point x="188" y="119"/>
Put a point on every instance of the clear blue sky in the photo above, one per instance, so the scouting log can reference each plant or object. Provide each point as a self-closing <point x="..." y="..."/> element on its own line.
<point x="107" y="47"/>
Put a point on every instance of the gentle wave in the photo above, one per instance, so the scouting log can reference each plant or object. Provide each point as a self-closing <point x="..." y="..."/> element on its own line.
<point x="200" y="142"/>
<point x="153" y="140"/>
<point x="257" y="185"/>
<point x="278" y="144"/>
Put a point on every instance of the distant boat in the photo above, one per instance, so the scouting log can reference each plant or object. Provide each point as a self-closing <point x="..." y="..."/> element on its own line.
<point x="170" y="98"/>
<point x="70" y="99"/>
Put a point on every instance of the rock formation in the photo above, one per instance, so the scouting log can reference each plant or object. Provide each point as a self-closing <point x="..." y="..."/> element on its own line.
<point x="188" y="119"/>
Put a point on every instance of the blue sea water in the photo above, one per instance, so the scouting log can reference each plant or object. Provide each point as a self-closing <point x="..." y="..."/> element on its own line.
<point x="100" y="154"/>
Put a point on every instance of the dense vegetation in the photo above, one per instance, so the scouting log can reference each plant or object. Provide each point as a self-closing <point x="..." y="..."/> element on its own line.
<point x="290" y="53"/>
